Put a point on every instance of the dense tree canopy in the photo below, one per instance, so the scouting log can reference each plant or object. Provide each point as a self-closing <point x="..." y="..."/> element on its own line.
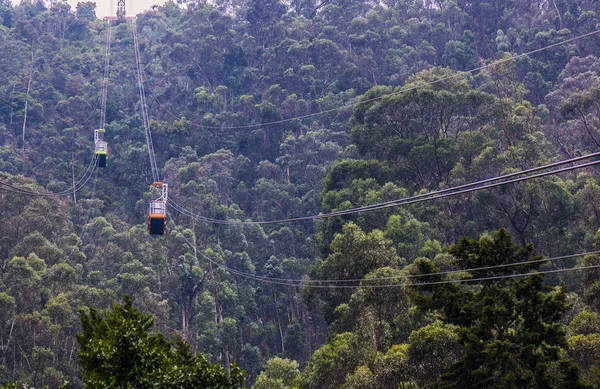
<point x="263" y="110"/>
<point x="117" y="350"/>
<point x="510" y="329"/>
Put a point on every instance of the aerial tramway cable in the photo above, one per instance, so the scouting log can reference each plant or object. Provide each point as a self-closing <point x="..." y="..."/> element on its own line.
<point x="364" y="283"/>
<point x="453" y="191"/>
<point x="55" y="268"/>
<point x="157" y="215"/>
<point x="100" y="145"/>
<point x="87" y="175"/>
<point x="144" y="107"/>
<point x="91" y="169"/>
<point x="78" y="185"/>
<point x="106" y="75"/>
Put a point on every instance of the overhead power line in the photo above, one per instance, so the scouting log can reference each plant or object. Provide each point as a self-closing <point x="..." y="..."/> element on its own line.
<point x="453" y="191"/>
<point x="402" y="90"/>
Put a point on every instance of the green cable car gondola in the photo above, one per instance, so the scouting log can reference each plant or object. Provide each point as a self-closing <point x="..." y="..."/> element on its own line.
<point x="101" y="151"/>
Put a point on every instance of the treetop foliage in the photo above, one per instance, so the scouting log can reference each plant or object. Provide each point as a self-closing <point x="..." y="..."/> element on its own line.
<point x="263" y="110"/>
<point x="117" y="350"/>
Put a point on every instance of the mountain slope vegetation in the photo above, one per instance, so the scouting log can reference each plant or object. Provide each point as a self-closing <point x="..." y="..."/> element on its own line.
<point x="262" y="110"/>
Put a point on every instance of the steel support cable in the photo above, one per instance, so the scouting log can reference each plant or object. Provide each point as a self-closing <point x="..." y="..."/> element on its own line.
<point x="402" y="90"/>
<point x="85" y="177"/>
<point x="461" y="189"/>
<point x="407" y="276"/>
<point x="4" y="188"/>
<point x="17" y="109"/>
<point x="106" y="75"/>
<point x="364" y="284"/>
<point x="321" y="284"/>
<point x="429" y="194"/>
<point x="78" y="185"/>
<point x="92" y="166"/>
<point x="414" y="284"/>
<point x="53" y="270"/>
<point x="327" y="282"/>
<point x="474" y="189"/>
<point x="145" y="117"/>
<point x="15" y="189"/>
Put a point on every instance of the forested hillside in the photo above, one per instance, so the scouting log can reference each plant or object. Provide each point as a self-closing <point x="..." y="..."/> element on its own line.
<point x="263" y="111"/>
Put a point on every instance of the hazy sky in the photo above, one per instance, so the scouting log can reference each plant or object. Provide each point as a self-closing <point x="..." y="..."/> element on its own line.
<point x="108" y="7"/>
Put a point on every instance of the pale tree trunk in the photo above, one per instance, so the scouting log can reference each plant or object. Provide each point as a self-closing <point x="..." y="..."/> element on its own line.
<point x="307" y="333"/>
<point x="12" y="326"/>
<point x="279" y="323"/>
<point x="73" y="176"/>
<point x="27" y="98"/>
<point x="195" y="240"/>
<point x="12" y="101"/>
<point x="227" y="361"/>
<point x="559" y="15"/>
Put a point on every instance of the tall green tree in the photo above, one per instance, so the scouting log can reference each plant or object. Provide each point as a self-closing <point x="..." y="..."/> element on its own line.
<point x="119" y="351"/>
<point x="510" y="329"/>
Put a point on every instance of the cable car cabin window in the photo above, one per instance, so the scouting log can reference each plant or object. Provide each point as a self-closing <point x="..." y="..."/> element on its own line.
<point x="101" y="153"/>
<point x="157" y="207"/>
<point x="101" y="147"/>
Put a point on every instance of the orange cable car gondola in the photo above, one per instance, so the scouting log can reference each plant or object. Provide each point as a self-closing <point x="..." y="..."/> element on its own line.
<point x="157" y="218"/>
